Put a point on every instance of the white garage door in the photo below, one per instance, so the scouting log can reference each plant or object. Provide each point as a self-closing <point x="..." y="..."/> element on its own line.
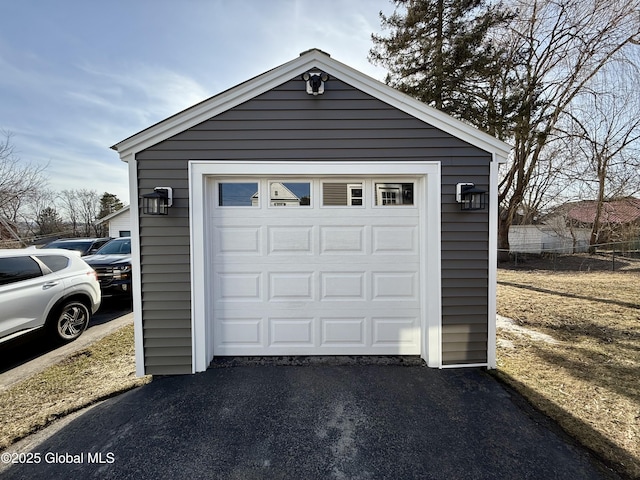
<point x="315" y="266"/>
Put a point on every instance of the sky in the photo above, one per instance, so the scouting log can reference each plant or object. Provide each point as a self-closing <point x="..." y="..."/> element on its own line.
<point x="78" y="76"/>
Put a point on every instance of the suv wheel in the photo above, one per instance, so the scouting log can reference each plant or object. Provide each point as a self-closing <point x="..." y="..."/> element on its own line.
<point x="69" y="321"/>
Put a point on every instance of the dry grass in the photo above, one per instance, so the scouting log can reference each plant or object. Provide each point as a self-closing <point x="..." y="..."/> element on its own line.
<point x="98" y="372"/>
<point x="588" y="379"/>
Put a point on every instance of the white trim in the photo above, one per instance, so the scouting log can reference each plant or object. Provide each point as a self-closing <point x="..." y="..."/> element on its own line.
<point x="135" y="264"/>
<point x="493" y="264"/>
<point x="292" y="69"/>
<point x="202" y="339"/>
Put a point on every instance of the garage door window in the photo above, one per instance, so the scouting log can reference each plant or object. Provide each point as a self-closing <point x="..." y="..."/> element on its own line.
<point x="342" y="194"/>
<point x="289" y="194"/>
<point x="235" y="194"/>
<point x="388" y="194"/>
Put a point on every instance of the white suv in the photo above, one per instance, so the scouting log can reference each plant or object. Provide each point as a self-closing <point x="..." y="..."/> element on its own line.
<point x="54" y="289"/>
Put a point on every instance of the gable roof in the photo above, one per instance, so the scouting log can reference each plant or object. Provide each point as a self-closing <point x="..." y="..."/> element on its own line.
<point x="311" y="59"/>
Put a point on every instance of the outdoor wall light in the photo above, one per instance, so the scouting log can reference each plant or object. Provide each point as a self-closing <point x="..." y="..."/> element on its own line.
<point x="471" y="197"/>
<point x="315" y="82"/>
<point x="158" y="202"/>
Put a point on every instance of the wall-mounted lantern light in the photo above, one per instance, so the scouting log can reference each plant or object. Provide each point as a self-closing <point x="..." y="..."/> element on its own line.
<point x="315" y="82"/>
<point x="158" y="202"/>
<point x="471" y="197"/>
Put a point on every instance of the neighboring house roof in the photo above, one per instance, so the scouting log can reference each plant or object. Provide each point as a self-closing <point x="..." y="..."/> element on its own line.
<point x="310" y="60"/>
<point x="622" y="211"/>
<point x="112" y="215"/>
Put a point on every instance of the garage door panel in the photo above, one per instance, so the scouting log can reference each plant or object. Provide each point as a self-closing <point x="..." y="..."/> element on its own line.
<point x="238" y="240"/>
<point x="395" y="285"/>
<point x="291" y="286"/>
<point x="297" y="332"/>
<point x="239" y="332"/>
<point x="238" y="286"/>
<point x="396" y="330"/>
<point x="288" y="240"/>
<point x="395" y="239"/>
<point x="336" y="240"/>
<point x="343" y="286"/>
<point x="343" y="332"/>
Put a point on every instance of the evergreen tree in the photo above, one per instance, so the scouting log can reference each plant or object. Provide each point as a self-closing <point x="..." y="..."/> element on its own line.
<point x="440" y="52"/>
<point x="48" y="221"/>
<point x="109" y="203"/>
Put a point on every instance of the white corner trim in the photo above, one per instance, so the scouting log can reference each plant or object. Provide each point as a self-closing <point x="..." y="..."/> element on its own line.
<point x="493" y="264"/>
<point x="136" y="278"/>
<point x="199" y="171"/>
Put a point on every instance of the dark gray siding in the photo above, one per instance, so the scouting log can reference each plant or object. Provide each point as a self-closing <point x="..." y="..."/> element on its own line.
<point x="287" y="124"/>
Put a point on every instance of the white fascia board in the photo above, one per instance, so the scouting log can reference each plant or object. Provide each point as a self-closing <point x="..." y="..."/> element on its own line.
<point x="317" y="60"/>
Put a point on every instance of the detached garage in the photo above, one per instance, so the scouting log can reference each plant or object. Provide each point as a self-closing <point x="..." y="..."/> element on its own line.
<point x="313" y="210"/>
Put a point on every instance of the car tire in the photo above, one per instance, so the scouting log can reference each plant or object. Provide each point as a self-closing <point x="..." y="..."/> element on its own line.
<point x="67" y="322"/>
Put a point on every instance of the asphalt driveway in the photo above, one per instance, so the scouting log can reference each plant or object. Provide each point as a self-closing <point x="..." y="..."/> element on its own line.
<point x="311" y="422"/>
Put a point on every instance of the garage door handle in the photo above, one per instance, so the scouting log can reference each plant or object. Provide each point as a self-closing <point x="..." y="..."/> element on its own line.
<point x="49" y="285"/>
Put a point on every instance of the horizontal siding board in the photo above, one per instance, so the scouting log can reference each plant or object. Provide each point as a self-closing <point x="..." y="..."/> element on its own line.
<point x="165" y="314"/>
<point x="463" y="255"/>
<point x="152" y="250"/>
<point x="169" y="351"/>
<point x="473" y="328"/>
<point x="163" y="295"/>
<point x="168" y="342"/>
<point x="167" y="269"/>
<point x="465" y="338"/>
<point x="398" y="126"/>
<point x="356" y="153"/>
<point x="464" y="228"/>
<point x="464" y="284"/>
<point x="167" y="332"/>
<point x="476" y="293"/>
<point x="168" y="369"/>
<point x="465" y="311"/>
<point x="163" y="240"/>
<point x="462" y="357"/>
<point x="478" y="317"/>
<point x="278" y="144"/>
<point x="183" y="305"/>
<point x="161" y="361"/>
<point x="313" y="131"/>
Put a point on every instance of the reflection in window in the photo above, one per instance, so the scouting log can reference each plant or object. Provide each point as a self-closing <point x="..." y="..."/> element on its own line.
<point x="231" y="194"/>
<point x="289" y="194"/>
<point x="342" y="194"/>
<point x="394" y="193"/>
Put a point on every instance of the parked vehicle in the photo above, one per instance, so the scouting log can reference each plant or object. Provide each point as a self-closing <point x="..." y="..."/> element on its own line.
<point x="86" y="246"/>
<point x="53" y="289"/>
<point x="112" y="263"/>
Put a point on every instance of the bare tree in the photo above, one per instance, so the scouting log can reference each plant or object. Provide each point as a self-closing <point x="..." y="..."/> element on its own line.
<point x="18" y="179"/>
<point x="604" y="124"/>
<point x="563" y="45"/>
<point x="39" y="217"/>
<point x="69" y="200"/>
<point x="88" y="208"/>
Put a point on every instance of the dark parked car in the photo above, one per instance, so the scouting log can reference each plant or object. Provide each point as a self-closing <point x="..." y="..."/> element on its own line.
<point x="86" y="246"/>
<point x="55" y="289"/>
<point x="112" y="263"/>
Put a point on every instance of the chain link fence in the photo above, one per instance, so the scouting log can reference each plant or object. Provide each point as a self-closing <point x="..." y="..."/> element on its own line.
<point x="612" y="256"/>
